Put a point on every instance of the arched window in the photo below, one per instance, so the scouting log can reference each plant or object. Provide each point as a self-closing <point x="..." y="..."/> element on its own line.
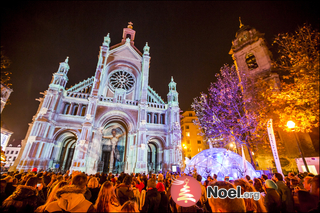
<point x="162" y="121"/>
<point x="75" y="110"/>
<point x="66" y="108"/>
<point x="83" y="110"/>
<point x="251" y="61"/>
<point x="148" y="117"/>
<point x="155" y="118"/>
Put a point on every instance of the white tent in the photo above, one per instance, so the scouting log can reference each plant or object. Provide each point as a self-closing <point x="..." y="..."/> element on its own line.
<point x="222" y="162"/>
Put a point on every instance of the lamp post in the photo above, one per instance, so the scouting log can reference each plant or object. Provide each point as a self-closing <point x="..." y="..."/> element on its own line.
<point x="291" y="125"/>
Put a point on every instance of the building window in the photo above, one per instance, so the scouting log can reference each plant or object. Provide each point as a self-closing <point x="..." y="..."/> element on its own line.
<point x="251" y="61"/>
<point x="199" y="142"/>
<point x="188" y="141"/>
<point x="182" y="128"/>
<point x="188" y="134"/>
<point x="189" y="150"/>
<point x="17" y="152"/>
<point x="162" y="120"/>
<point x="11" y="152"/>
<point x="83" y="110"/>
<point x="190" y="114"/>
<point x="155" y="118"/>
<point x="7" y="152"/>
<point x="187" y="127"/>
<point x="149" y="117"/>
<point x="75" y="110"/>
<point x="66" y="108"/>
<point x="14" y="158"/>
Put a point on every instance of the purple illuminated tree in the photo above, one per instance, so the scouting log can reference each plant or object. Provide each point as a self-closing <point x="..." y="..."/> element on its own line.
<point x="225" y="111"/>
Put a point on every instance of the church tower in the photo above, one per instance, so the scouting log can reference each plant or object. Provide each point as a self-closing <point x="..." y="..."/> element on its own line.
<point x="250" y="52"/>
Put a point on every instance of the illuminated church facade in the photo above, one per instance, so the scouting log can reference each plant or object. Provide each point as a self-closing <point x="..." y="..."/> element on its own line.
<point x="111" y="122"/>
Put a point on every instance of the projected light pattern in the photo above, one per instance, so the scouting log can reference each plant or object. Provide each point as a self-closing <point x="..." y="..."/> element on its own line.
<point x="219" y="161"/>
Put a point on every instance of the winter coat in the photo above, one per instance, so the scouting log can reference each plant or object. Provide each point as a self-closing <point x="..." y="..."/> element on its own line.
<point x="94" y="194"/>
<point x="164" y="202"/>
<point x="272" y="200"/>
<point x="307" y="201"/>
<point x="140" y="186"/>
<point x="124" y="193"/>
<point x="152" y="202"/>
<point x="24" y="199"/>
<point x="10" y="189"/>
<point x="286" y="197"/>
<point x="70" y="199"/>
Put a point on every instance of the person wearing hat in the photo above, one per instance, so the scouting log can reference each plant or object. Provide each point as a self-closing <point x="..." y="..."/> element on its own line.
<point x="164" y="203"/>
<point x="153" y="197"/>
<point x="272" y="200"/>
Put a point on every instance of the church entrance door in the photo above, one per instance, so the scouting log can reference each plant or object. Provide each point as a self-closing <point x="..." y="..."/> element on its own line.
<point x="113" y="147"/>
<point x="67" y="153"/>
<point x="152" y="157"/>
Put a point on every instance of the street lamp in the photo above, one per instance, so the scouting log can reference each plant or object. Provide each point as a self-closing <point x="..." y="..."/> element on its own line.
<point x="291" y="125"/>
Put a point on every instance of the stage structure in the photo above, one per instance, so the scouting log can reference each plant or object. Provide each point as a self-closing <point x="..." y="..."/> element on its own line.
<point x="221" y="162"/>
<point x="111" y="122"/>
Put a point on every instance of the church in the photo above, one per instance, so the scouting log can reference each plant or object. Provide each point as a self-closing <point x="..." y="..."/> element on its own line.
<point x="111" y="122"/>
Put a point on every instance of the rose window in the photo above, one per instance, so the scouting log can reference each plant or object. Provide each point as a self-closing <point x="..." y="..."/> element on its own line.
<point x="121" y="80"/>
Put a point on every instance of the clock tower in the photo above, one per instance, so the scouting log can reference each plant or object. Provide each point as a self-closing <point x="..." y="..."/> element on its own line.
<point x="250" y="53"/>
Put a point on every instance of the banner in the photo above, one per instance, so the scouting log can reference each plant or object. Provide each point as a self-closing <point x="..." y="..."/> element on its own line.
<point x="244" y="161"/>
<point x="274" y="146"/>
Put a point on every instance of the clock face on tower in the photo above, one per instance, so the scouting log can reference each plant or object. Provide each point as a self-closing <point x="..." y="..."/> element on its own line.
<point x="120" y="79"/>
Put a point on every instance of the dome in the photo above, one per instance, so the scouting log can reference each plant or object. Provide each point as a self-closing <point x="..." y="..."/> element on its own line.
<point x="243" y="29"/>
<point x="222" y="162"/>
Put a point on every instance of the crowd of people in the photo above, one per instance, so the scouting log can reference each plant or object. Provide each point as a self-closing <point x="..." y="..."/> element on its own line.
<point x="78" y="192"/>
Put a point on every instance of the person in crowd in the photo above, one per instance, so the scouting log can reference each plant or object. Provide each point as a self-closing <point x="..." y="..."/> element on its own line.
<point x="164" y="201"/>
<point x="315" y="191"/>
<point x="10" y="188"/>
<point x="56" y="181"/>
<point x="136" y="192"/>
<point x="226" y="204"/>
<point x="139" y="183"/>
<point x="24" y="199"/>
<point x="71" y="197"/>
<point x="130" y="206"/>
<point x="264" y="177"/>
<point x="285" y="194"/>
<point x="103" y="178"/>
<point x="52" y="196"/>
<point x="107" y="200"/>
<point x="142" y="199"/>
<point x="305" y="200"/>
<point x="272" y="200"/>
<point x="46" y="179"/>
<point x="93" y="186"/>
<point x="153" y="197"/>
<point x="203" y="197"/>
<point x="252" y="205"/>
<point x="258" y="185"/>
<point x="124" y="190"/>
<point x="3" y="195"/>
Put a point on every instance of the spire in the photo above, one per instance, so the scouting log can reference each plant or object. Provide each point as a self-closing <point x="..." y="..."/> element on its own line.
<point x="67" y="60"/>
<point x="241" y="25"/>
<point x="130" y="25"/>
<point x="146" y="49"/>
<point x="107" y="40"/>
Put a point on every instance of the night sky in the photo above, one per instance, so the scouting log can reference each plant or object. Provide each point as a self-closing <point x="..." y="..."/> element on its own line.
<point x="188" y="40"/>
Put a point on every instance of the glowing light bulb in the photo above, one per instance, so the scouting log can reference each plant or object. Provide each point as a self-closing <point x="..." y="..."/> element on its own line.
<point x="291" y="124"/>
